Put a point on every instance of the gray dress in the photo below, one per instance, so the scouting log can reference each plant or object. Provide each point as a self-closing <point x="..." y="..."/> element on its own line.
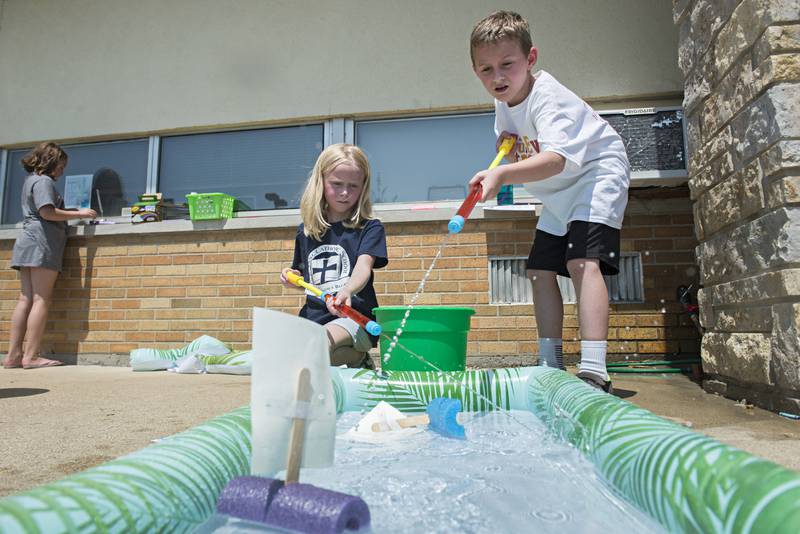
<point x="40" y="242"/>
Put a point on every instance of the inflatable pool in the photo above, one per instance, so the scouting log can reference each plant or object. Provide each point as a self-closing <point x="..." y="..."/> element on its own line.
<point x="685" y="481"/>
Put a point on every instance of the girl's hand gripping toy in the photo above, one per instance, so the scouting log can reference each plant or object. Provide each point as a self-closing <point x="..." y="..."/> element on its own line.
<point x="367" y="324"/>
<point x="456" y="224"/>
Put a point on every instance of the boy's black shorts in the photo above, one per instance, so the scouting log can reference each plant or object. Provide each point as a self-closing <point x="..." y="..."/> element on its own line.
<point x="588" y="240"/>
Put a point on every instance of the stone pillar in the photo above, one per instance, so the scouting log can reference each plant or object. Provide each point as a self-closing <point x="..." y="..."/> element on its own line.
<point x="741" y="62"/>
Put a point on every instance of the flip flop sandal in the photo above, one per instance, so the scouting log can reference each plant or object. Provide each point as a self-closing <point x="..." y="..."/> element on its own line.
<point x="12" y="365"/>
<point x="39" y="363"/>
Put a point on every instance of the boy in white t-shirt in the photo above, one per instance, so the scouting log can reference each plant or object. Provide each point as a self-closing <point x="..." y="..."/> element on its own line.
<point x="575" y="163"/>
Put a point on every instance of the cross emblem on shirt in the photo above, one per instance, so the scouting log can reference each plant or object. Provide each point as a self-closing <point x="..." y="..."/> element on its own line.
<point x="323" y="266"/>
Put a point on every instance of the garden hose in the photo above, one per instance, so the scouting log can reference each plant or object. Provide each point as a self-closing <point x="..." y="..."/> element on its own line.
<point x="661" y="366"/>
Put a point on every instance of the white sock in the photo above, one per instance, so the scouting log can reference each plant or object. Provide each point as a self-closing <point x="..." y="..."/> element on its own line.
<point x="551" y="352"/>
<point x="593" y="357"/>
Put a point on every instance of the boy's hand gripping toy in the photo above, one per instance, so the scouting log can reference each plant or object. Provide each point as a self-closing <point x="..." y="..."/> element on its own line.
<point x="456" y="224"/>
<point x="367" y="324"/>
<point x="441" y="417"/>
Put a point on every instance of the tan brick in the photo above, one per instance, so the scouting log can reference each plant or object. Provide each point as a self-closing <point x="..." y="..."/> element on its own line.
<point x="125" y="304"/>
<point x="234" y="291"/>
<point x="434" y="286"/>
<point x="514" y="334"/>
<point x="162" y="314"/>
<point x="233" y="268"/>
<point x="110" y="272"/>
<point x="111" y="293"/>
<point x="140" y="336"/>
<point x="172" y="337"/>
<point x="201" y="291"/>
<point x="657" y="347"/>
<point x="497" y="347"/>
<point x="236" y="246"/>
<point x="128" y="260"/>
<point x="171" y="292"/>
<point x="479" y="286"/>
<point x="157" y="260"/>
<point x="172" y="249"/>
<point x="484" y="335"/>
<point x="621" y="320"/>
<point x="401" y="241"/>
<point x="188" y="259"/>
<point x="127" y="282"/>
<point x="153" y="325"/>
<point x="121" y="348"/>
<point x="93" y="348"/>
<point x="251" y="279"/>
<point x="218" y="258"/>
<point x="109" y="315"/>
<point x="186" y="303"/>
<point x="458" y="274"/>
<point x="459" y="299"/>
<point x="154" y="303"/>
<point x="170" y="270"/>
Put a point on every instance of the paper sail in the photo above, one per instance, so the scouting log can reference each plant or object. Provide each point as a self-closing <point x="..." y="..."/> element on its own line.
<point x="284" y="344"/>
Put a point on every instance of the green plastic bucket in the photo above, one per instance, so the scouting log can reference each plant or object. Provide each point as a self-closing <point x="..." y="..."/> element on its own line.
<point x="436" y="333"/>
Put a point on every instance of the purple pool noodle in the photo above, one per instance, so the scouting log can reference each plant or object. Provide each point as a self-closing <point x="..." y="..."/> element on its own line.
<point x="248" y="497"/>
<point x="442" y="413"/>
<point x="307" y="508"/>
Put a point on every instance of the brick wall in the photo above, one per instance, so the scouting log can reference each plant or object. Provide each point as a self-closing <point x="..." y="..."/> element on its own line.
<point x="118" y="293"/>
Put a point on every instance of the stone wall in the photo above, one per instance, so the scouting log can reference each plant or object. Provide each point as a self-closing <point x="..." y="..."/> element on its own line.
<point x="741" y="62"/>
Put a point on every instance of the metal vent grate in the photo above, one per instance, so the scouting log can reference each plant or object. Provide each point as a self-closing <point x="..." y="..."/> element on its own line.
<point x="508" y="283"/>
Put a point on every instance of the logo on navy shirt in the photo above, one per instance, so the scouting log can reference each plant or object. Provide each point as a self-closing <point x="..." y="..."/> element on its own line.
<point x="329" y="267"/>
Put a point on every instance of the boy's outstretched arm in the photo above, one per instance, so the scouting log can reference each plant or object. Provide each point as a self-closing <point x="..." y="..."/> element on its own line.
<point x="538" y="167"/>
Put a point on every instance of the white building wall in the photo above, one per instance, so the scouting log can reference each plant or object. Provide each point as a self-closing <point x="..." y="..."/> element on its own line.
<point x="75" y="69"/>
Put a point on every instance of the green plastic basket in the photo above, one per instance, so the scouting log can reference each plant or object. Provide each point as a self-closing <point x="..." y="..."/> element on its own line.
<point x="206" y="206"/>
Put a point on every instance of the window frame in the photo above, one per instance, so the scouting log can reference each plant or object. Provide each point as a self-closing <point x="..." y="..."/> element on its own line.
<point x="4" y="166"/>
<point x="329" y="132"/>
<point x="424" y="203"/>
<point x="343" y="130"/>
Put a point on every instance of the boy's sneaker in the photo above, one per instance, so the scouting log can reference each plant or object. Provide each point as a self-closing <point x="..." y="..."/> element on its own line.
<point x="596" y="381"/>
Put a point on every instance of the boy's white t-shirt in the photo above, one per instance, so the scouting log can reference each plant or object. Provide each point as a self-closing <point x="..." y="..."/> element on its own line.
<point x="593" y="186"/>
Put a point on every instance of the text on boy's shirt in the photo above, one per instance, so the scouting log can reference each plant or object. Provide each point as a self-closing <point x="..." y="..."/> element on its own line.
<point x="526" y="147"/>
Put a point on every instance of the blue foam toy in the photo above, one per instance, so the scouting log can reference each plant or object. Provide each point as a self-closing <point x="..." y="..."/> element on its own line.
<point x="373" y="328"/>
<point x="456" y="224"/>
<point x="442" y="414"/>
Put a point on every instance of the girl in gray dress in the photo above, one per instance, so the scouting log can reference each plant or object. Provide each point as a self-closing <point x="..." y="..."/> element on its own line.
<point x="38" y="252"/>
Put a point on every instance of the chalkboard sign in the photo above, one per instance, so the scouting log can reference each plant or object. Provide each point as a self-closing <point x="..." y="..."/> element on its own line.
<point x="653" y="139"/>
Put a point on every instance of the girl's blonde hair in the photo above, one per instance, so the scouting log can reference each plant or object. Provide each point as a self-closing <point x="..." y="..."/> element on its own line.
<point x="44" y="159"/>
<point x="313" y="205"/>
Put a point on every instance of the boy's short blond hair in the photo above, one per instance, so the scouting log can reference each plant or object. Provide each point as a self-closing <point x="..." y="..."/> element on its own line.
<point x="498" y="26"/>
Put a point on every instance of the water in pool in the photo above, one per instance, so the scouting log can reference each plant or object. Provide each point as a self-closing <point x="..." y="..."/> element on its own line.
<point x="503" y="478"/>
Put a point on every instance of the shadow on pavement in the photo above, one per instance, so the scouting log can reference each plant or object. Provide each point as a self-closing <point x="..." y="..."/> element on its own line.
<point x="9" y="393"/>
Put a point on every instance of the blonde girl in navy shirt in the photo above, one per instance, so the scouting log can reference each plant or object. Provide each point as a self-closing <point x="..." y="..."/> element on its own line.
<point x="337" y="246"/>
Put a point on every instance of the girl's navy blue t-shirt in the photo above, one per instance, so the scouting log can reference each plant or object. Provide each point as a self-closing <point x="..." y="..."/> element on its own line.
<point x="328" y="264"/>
